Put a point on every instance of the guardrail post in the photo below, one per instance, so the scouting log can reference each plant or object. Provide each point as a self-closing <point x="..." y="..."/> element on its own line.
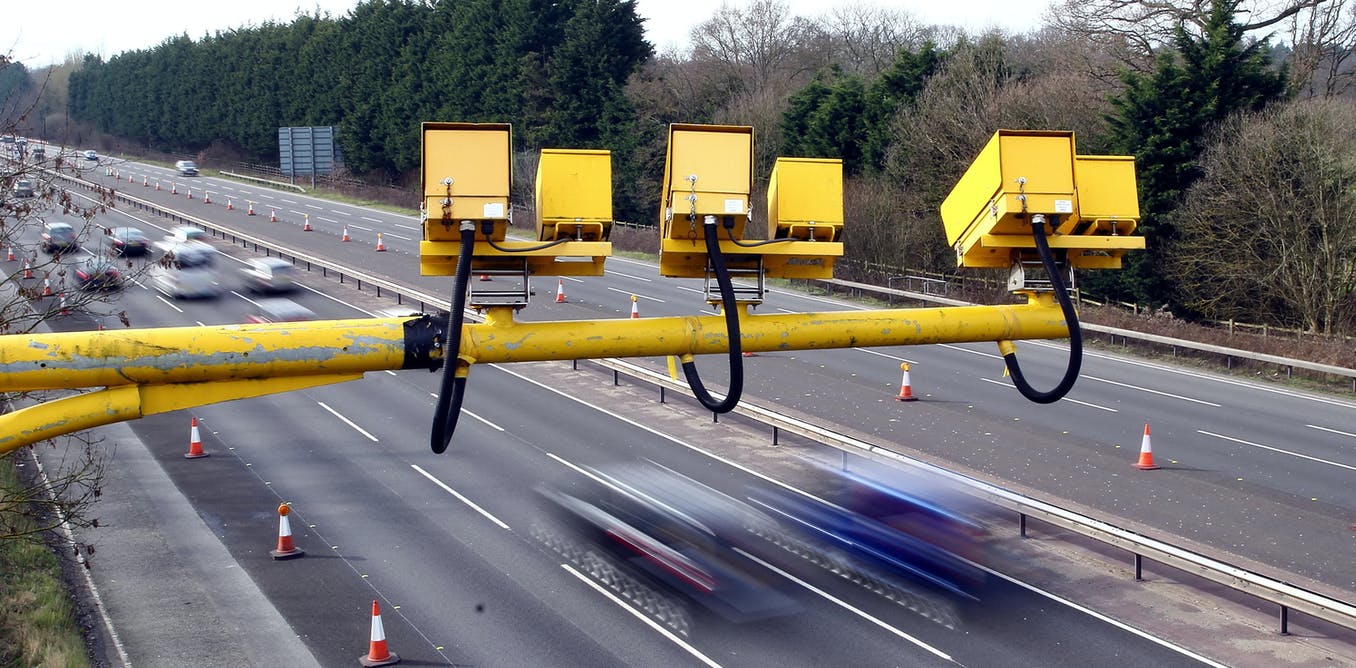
<point x="1285" y="620"/>
<point x="661" y="394"/>
<point x="776" y="435"/>
<point x="1139" y="567"/>
<point x="1021" y="524"/>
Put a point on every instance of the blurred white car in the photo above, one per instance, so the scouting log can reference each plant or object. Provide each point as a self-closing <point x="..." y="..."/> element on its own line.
<point x="188" y="270"/>
<point x="269" y="275"/>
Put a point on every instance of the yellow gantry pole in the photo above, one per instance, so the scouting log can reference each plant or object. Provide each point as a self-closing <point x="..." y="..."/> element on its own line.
<point x="180" y="367"/>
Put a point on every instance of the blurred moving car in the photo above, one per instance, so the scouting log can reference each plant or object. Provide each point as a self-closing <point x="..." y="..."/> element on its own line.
<point x="279" y="309"/>
<point x="186" y="168"/>
<point x="23" y="188"/>
<point x="98" y="273"/>
<point x="59" y="238"/>
<point x="900" y="524"/>
<point x="269" y="275"/>
<point x="91" y="155"/>
<point x="677" y="534"/>
<point x="127" y="242"/>
<point x="179" y="235"/>
<point x="187" y="270"/>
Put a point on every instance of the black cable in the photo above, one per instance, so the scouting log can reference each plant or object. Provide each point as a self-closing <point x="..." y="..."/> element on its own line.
<point x="451" y="388"/>
<point x="755" y="244"/>
<point x="1070" y="317"/>
<point x="549" y="244"/>
<point x="727" y="300"/>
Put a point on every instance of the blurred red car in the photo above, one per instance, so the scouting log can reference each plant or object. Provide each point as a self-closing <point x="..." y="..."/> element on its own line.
<point x="98" y="273"/>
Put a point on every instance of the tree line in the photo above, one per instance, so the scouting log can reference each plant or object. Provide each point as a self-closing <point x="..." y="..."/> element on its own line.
<point x="1182" y="85"/>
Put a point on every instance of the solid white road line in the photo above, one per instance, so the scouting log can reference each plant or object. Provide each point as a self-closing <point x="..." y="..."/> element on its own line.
<point x="638" y="278"/>
<point x="1097" y="615"/>
<point x="1145" y="389"/>
<point x="347" y="421"/>
<point x="1334" y="431"/>
<point x="1274" y="449"/>
<point x="461" y="498"/>
<point x="637" y="614"/>
<point x="846" y="606"/>
<point x="1074" y="401"/>
<point x="886" y="356"/>
<point x="637" y="294"/>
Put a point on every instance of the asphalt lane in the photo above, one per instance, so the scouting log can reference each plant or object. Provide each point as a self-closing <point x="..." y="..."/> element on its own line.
<point x="600" y="301"/>
<point x="446" y="585"/>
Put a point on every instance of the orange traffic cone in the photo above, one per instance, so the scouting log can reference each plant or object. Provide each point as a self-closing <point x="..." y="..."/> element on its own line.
<point x="381" y="245"/>
<point x="145" y="181"/>
<point x="47" y="286"/>
<point x="377" y="653"/>
<point x="130" y="179"/>
<point x="190" y="192"/>
<point x="272" y="215"/>
<point x="251" y="209"/>
<point x="560" y="291"/>
<point x="286" y="550"/>
<point x="174" y="188"/>
<point x="157" y="185"/>
<point x="345" y="237"/>
<point x="61" y="305"/>
<point x="1146" y="453"/>
<point x="28" y="269"/>
<point x="206" y="197"/>
<point x="306" y="226"/>
<point x="905" y="389"/>
<point x="230" y="206"/>
<point x="635" y="307"/>
<point x="194" y="442"/>
<point x="9" y="253"/>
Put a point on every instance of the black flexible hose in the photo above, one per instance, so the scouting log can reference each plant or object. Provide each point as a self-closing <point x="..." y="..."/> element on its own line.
<point x="452" y="389"/>
<point x="1070" y="317"/>
<point x="731" y="309"/>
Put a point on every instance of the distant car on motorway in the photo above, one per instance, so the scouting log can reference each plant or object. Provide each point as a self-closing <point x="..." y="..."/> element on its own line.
<point x="186" y="168"/>
<point x="269" y="275"/>
<point x="128" y="242"/>
<point x="279" y="309"/>
<point x="91" y="155"/>
<point x="98" y="273"/>
<point x="59" y="238"/>
<point x="23" y="188"/>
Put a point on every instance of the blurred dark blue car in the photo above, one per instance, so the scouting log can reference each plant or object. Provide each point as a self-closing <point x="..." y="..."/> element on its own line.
<point x="907" y="527"/>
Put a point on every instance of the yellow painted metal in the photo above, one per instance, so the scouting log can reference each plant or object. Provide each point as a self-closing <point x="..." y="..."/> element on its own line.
<point x="476" y="158"/>
<point x="709" y="172"/>
<point x="467" y="177"/>
<point x="574" y="195"/>
<point x="571" y="258"/>
<point x="1090" y="199"/>
<point x="805" y="199"/>
<point x="176" y="367"/>
<point x="128" y="402"/>
<point x="198" y="354"/>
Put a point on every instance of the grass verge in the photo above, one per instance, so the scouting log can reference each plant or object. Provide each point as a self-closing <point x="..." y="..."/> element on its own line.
<point x="37" y="617"/>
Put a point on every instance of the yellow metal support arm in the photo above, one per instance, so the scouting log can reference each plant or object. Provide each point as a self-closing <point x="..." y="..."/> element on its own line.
<point x="148" y="371"/>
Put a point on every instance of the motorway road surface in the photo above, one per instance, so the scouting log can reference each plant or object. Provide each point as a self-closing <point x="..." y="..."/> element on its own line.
<point x="1251" y="471"/>
<point x="472" y="581"/>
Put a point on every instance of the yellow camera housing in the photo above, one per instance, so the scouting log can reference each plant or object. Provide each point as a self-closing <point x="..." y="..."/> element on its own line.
<point x="1090" y="201"/>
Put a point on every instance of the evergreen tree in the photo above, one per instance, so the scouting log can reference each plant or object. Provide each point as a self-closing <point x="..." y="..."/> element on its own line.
<point x="1162" y="118"/>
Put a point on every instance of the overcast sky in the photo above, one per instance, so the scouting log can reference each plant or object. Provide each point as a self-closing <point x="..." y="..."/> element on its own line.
<point x="41" y="33"/>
